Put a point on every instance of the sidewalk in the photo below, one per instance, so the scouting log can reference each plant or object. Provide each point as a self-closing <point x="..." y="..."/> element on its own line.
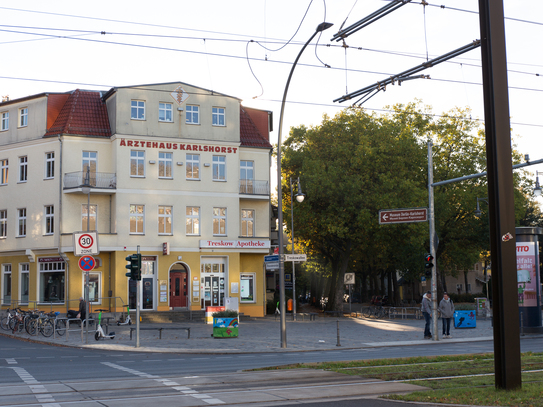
<point x="264" y="335"/>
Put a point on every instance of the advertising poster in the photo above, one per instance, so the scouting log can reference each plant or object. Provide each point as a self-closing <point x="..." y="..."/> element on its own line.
<point x="526" y="274"/>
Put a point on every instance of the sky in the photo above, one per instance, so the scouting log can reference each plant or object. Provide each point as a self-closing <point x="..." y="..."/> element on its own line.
<point x="246" y="48"/>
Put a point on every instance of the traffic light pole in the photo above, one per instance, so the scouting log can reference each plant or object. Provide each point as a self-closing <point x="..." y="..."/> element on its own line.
<point x="138" y="294"/>
<point x="432" y="240"/>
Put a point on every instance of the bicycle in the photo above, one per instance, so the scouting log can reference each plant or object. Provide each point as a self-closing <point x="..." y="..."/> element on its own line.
<point x="99" y="331"/>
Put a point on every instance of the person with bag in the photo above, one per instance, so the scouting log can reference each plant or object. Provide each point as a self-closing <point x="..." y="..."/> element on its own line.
<point x="446" y="307"/>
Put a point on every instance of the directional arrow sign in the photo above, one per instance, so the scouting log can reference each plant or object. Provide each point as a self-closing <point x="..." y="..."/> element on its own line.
<point x="403" y="215"/>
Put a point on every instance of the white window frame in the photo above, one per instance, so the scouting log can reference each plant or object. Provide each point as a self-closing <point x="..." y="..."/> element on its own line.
<point x="250" y="285"/>
<point x="219" y="168"/>
<point x="21" y="222"/>
<point x="93" y="217"/>
<point x="165" y="219"/>
<point x="219" y="221"/>
<point x="23" y="168"/>
<point x="247" y="219"/>
<point x="137" y="158"/>
<point x="165" y="109"/>
<point x="98" y="294"/>
<point x="192" y="222"/>
<point x="192" y="161"/>
<point x="165" y="165"/>
<point x="51" y="267"/>
<point x="49" y="218"/>
<point x="50" y="165"/>
<point x="218" y="116"/>
<point x="4" y="169"/>
<point x="192" y="114"/>
<point x="458" y="287"/>
<point x="23" y="117"/>
<point x="3" y="223"/>
<point x="138" y="218"/>
<point x="5" y="121"/>
<point x="24" y="270"/>
<point x="246" y="167"/>
<point x="7" y="295"/>
<point x="137" y="109"/>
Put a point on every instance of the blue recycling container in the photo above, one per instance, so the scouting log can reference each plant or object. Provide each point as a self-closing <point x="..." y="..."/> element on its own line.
<point x="465" y="319"/>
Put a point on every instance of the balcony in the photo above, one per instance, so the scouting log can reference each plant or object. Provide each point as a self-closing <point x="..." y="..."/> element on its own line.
<point x="251" y="187"/>
<point x="73" y="181"/>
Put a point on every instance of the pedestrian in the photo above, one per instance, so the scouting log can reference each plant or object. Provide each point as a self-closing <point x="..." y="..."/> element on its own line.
<point x="426" y="309"/>
<point x="446" y="307"/>
<point x="81" y="313"/>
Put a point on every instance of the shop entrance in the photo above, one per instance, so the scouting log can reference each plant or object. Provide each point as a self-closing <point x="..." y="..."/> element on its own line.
<point x="178" y="286"/>
<point x="213" y="278"/>
<point x="148" y="284"/>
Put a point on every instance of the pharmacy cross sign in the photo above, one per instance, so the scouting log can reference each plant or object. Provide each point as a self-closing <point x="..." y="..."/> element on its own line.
<point x="403" y="215"/>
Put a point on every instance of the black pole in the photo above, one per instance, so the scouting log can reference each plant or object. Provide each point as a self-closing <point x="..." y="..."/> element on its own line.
<point x="500" y="194"/>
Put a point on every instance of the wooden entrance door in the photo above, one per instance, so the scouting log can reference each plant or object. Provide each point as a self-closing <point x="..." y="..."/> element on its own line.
<point x="178" y="288"/>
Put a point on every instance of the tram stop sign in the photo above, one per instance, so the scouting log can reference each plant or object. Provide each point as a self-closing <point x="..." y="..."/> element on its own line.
<point x="87" y="263"/>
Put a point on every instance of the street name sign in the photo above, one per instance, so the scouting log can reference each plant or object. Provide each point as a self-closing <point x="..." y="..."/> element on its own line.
<point x="387" y="216"/>
<point x="272" y="258"/>
<point x="272" y="262"/>
<point x="86" y="243"/>
<point x="295" y="257"/>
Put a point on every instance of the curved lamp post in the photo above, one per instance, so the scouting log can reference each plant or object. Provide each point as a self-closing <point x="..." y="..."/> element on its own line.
<point x="300" y="196"/>
<point x="320" y="27"/>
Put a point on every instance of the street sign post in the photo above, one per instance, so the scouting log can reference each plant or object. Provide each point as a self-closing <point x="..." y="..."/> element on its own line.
<point x="403" y="215"/>
<point x="86" y="243"/>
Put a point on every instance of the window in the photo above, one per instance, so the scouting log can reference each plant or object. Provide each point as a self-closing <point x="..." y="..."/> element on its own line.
<point x="193" y="114"/>
<point x="21" y="222"/>
<point x="193" y="166"/>
<point x="219" y="168"/>
<point x="165" y="112"/>
<point x="5" y="121"/>
<point x="164" y="220"/>
<point x="23" y="117"/>
<point x="24" y="282"/>
<point x="247" y="287"/>
<point x="90" y="162"/>
<point x="247" y="222"/>
<point x="459" y="288"/>
<point x="3" y="223"/>
<point x="193" y="220"/>
<point x="6" y="284"/>
<point x="137" y="110"/>
<point x="218" y="116"/>
<point x="23" y="169"/>
<point x="49" y="215"/>
<point x="52" y="277"/>
<point x="137" y="163"/>
<point x="246" y="170"/>
<point x="95" y="296"/>
<point x="88" y="217"/>
<point x="468" y="288"/>
<point x="165" y="162"/>
<point x="49" y="165"/>
<point x="4" y="169"/>
<point x="219" y="221"/>
<point x="137" y="218"/>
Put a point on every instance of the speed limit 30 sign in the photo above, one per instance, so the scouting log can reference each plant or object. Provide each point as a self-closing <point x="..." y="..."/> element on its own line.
<point x="86" y="243"/>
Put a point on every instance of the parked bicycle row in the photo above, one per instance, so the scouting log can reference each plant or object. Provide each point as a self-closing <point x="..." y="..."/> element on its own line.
<point x="33" y="322"/>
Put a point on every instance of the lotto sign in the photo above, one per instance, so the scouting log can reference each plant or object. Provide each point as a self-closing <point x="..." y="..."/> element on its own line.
<point x="86" y="243"/>
<point x="87" y="263"/>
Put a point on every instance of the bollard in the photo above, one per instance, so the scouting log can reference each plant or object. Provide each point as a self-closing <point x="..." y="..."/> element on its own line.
<point x="338" y="344"/>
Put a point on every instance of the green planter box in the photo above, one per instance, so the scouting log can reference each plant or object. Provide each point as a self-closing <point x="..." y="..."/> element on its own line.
<point x="225" y="327"/>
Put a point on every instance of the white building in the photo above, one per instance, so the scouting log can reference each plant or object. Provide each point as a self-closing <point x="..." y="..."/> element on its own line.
<point x="179" y="171"/>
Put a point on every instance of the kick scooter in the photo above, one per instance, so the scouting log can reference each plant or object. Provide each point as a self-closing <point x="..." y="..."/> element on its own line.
<point x="99" y="331"/>
<point x="127" y="320"/>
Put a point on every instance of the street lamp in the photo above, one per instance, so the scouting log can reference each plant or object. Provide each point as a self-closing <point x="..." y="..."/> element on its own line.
<point x="300" y="198"/>
<point x="537" y="189"/>
<point x="478" y="210"/>
<point x="320" y="27"/>
<point x="86" y="188"/>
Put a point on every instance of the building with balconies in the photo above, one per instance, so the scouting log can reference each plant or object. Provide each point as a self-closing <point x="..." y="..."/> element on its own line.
<point x="178" y="172"/>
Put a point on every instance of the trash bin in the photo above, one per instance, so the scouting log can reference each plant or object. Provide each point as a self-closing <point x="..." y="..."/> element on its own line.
<point x="465" y="319"/>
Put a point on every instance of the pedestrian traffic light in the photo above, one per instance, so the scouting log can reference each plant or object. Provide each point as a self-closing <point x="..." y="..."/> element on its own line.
<point x="428" y="265"/>
<point x="134" y="266"/>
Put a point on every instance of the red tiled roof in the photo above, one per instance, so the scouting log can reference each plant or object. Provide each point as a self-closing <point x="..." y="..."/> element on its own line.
<point x="84" y="113"/>
<point x="250" y="136"/>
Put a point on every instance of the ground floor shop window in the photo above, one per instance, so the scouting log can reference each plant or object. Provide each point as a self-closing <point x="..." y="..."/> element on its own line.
<point x="94" y="287"/>
<point x="6" y="284"/>
<point x="247" y="288"/>
<point x="51" y="283"/>
<point x="25" y="283"/>
<point x="148" y="296"/>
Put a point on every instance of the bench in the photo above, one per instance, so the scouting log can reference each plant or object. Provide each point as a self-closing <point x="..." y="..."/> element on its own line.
<point x="159" y="331"/>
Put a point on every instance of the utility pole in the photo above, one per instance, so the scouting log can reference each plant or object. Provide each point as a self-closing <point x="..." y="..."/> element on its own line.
<point x="432" y="239"/>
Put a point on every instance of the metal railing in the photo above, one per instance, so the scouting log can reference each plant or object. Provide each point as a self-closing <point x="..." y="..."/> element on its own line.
<point x="102" y="180"/>
<point x="251" y="187"/>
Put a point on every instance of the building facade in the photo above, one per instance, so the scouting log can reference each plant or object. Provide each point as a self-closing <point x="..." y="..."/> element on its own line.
<point x="178" y="172"/>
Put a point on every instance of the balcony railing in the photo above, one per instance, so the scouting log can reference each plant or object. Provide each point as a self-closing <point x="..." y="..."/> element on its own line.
<point x="102" y="180"/>
<point x="251" y="187"/>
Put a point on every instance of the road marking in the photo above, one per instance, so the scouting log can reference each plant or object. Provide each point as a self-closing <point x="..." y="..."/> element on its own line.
<point x="11" y="361"/>
<point x="39" y="390"/>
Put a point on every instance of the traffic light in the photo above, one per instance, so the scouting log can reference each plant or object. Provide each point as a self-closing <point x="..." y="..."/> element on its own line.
<point x="134" y="266"/>
<point x="428" y="265"/>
